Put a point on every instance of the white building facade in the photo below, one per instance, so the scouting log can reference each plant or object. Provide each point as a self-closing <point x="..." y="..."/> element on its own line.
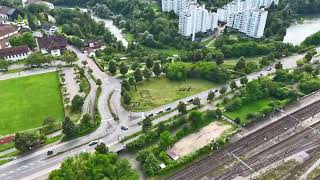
<point x="247" y="16"/>
<point x="193" y="18"/>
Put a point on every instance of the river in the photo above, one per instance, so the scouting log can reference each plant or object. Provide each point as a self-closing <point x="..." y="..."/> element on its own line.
<point x="117" y="33"/>
<point x="298" y="32"/>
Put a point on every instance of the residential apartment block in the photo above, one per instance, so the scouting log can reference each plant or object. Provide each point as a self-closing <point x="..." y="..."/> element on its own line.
<point x="193" y="18"/>
<point x="247" y="16"/>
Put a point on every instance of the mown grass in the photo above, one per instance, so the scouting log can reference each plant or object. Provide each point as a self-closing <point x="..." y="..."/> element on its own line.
<point x="253" y="107"/>
<point x="27" y="101"/>
<point x="160" y="91"/>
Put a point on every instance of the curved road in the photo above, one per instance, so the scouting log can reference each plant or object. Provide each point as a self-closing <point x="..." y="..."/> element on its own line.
<point x="37" y="164"/>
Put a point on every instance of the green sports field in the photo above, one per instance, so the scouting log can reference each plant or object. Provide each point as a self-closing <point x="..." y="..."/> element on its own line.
<point x="27" y="101"/>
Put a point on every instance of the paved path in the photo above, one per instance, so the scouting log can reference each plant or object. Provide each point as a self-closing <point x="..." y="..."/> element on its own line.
<point x="72" y="86"/>
<point x="26" y="73"/>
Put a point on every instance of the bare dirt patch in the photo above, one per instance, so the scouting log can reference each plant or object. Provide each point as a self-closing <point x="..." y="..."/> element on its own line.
<point x="200" y="139"/>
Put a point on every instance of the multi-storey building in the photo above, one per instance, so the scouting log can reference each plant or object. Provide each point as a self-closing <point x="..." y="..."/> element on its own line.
<point x="196" y="19"/>
<point x="247" y="16"/>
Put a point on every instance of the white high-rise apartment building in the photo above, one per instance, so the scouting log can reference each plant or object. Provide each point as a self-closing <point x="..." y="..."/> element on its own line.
<point x="177" y="6"/>
<point x="196" y="19"/>
<point x="246" y="16"/>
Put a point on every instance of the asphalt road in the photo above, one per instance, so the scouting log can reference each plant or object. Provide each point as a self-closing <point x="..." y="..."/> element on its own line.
<point x="37" y="164"/>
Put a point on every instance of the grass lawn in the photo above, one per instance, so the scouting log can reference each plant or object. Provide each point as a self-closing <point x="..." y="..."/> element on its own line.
<point x="7" y="146"/>
<point x="27" y="101"/>
<point x="252" y="107"/>
<point x="160" y="91"/>
<point x="230" y="63"/>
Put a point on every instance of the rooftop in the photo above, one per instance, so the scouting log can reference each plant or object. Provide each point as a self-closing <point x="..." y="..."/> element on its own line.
<point x="7" y="10"/>
<point x="14" y="51"/>
<point x="52" y="42"/>
<point x="7" y="29"/>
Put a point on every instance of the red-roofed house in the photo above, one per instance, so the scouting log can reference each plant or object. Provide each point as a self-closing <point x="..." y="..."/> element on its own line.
<point x="55" y="45"/>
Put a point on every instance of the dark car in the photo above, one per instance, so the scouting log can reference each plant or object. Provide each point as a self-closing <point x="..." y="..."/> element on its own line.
<point x="50" y="152"/>
<point x="216" y="90"/>
<point x="168" y="109"/>
<point x="160" y="112"/>
<point x="124" y="128"/>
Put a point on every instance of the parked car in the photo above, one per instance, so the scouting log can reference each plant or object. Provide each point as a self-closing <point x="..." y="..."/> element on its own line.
<point x="124" y="128"/>
<point x="269" y="69"/>
<point x="150" y="115"/>
<point x="93" y="142"/>
<point x="160" y="112"/>
<point x="216" y="90"/>
<point x="50" y="152"/>
<point x="168" y="109"/>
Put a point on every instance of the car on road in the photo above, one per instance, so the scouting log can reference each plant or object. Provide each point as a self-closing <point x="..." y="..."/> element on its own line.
<point x="160" y="112"/>
<point x="190" y="100"/>
<point x="124" y="128"/>
<point x="50" y="152"/>
<point x="168" y="109"/>
<point x="150" y="115"/>
<point x="216" y="90"/>
<point x="269" y="69"/>
<point x="93" y="142"/>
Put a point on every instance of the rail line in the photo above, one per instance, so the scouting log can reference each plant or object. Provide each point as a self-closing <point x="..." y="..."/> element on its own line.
<point x="245" y="144"/>
<point x="286" y="148"/>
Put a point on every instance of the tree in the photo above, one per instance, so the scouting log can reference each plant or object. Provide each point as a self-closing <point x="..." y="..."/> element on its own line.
<point x="219" y="58"/>
<point x="123" y="69"/>
<point x="94" y="166"/>
<point x="197" y="102"/>
<point x="165" y="140"/>
<point x="147" y="73"/>
<point x="126" y="99"/>
<point x="112" y="68"/>
<point x="84" y="62"/>
<point x="223" y="90"/>
<point x="244" y="80"/>
<point x="135" y="65"/>
<point x="25" y="141"/>
<point x="36" y="59"/>
<point x="241" y="64"/>
<point x="86" y="120"/>
<point x="69" y="57"/>
<point x="49" y="125"/>
<point x="182" y="107"/>
<point x="233" y="85"/>
<point x="219" y="113"/>
<point x="68" y="126"/>
<point x="149" y="62"/>
<point x="126" y="85"/>
<point x="196" y="118"/>
<point x="146" y="124"/>
<point x="98" y="82"/>
<point x="77" y="103"/>
<point x="138" y="75"/>
<point x="237" y="120"/>
<point x="278" y="66"/>
<point x="132" y="82"/>
<point x="102" y="148"/>
<point x="157" y="68"/>
<point x="4" y="64"/>
<point x="23" y="39"/>
<point x="211" y="96"/>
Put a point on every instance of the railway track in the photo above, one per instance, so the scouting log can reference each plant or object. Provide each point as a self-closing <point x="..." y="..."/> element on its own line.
<point x="245" y="144"/>
<point x="286" y="148"/>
